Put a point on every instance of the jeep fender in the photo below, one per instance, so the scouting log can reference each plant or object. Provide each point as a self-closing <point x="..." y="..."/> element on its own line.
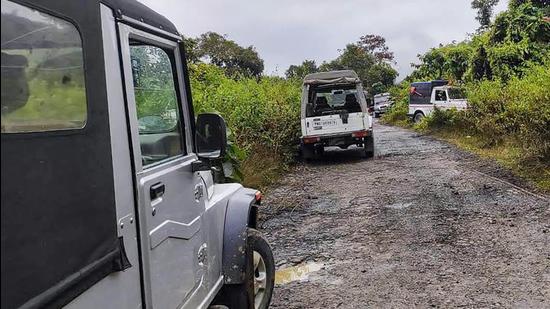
<point x="240" y="214"/>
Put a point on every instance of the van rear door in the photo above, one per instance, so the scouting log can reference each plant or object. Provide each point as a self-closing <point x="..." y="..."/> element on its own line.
<point x="334" y="109"/>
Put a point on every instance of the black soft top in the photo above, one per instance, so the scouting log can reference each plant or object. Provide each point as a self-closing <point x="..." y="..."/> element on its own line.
<point x="140" y="12"/>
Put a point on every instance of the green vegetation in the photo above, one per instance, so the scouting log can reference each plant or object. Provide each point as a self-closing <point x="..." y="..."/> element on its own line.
<point x="224" y="53"/>
<point x="43" y="90"/>
<point x="369" y="57"/>
<point x="506" y="72"/>
<point x="263" y="116"/>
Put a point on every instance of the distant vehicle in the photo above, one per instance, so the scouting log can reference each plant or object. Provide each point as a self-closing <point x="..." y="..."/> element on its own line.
<point x="424" y="97"/>
<point x="334" y="113"/>
<point x="382" y="103"/>
<point x="110" y="194"/>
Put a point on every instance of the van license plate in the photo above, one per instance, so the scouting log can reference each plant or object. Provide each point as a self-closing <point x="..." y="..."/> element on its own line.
<point x="318" y="125"/>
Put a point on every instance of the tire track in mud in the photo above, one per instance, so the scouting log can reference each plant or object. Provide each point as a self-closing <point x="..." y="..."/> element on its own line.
<point x="421" y="225"/>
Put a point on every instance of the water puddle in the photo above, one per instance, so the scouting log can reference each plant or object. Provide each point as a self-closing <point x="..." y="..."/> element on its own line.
<point x="296" y="273"/>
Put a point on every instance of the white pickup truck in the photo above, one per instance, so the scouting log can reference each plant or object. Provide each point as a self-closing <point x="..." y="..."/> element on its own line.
<point x="334" y="113"/>
<point x="424" y="97"/>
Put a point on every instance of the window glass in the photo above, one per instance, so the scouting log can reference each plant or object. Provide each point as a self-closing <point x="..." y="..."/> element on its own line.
<point x="43" y="85"/>
<point x="440" y="95"/>
<point x="333" y="99"/>
<point x="157" y="103"/>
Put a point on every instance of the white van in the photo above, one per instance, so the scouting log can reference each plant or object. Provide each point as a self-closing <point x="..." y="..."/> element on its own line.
<point x="334" y="113"/>
<point x="382" y="103"/>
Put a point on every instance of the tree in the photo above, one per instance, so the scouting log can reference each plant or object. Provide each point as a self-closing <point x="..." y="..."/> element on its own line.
<point x="222" y="52"/>
<point x="300" y="71"/>
<point x="484" y="12"/>
<point x="370" y="68"/>
<point x="191" y="50"/>
<point x="376" y="45"/>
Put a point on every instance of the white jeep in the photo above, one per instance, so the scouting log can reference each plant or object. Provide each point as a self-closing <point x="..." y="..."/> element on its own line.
<point x="334" y="113"/>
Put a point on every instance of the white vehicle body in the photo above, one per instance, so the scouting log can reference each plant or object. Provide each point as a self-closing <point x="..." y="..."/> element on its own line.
<point x="334" y="110"/>
<point x="442" y="97"/>
<point x="382" y="103"/>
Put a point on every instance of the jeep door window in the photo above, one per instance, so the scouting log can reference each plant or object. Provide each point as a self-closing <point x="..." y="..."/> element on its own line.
<point x="159" y="121"/>
<point x="43" y="87"/>
<point x="440" y="95"/>
<point x="333" y="99"/>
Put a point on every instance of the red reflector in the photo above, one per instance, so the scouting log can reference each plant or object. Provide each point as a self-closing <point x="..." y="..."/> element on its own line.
<point x="258" y="196"/>
<point x="311" y="139"/>
<point x="360" y="134"/>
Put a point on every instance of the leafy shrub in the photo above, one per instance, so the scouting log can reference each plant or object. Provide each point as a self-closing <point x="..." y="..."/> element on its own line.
<point x="518" y="111"/>
<point x="397" y="114"/>
<point x="262" y="115"/>
<point x="451" y="119"/>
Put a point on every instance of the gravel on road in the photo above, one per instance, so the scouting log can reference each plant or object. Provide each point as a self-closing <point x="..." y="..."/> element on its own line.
<point x="422" y="224"/>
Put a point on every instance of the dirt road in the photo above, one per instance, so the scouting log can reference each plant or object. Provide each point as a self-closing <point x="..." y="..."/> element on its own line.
<point x="421" y="225"/>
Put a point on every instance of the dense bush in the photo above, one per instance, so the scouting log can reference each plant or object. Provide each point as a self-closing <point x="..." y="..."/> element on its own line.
<point x="518" y="111"/>
<point x="263" y="116"/>
<point x="445" y="119"/>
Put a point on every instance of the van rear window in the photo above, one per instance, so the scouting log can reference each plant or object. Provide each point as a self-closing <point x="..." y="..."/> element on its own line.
<point x="43" y="86"/>
<point x="333" y="99"/>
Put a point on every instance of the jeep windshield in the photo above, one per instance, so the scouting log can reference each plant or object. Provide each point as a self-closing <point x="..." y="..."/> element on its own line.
<point x="332" y="99"/>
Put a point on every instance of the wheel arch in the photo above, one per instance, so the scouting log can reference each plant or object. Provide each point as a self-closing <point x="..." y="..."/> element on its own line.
<point x="241" y="213"/>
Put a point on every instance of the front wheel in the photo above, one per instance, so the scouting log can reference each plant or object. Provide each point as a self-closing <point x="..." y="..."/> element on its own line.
<point x="255" y="292"/>
<point x="263" y="269"/>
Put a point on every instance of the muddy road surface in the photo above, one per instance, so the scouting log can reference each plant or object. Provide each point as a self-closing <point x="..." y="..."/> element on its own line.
<point x="422" y="224"/>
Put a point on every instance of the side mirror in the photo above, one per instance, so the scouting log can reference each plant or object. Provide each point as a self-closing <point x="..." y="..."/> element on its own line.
<point x="210" y="136"/>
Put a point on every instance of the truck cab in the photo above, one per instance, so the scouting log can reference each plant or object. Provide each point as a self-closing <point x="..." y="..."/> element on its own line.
<point x="334" y="113"/>
<point x="109" y="199"/>
<point x="424" y="97"/>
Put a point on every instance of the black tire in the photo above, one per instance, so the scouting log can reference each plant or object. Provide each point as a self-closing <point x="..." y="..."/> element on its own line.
<point x="319" y="152"/>
<point x="308" y="151"/>
<point x="259" y="245"/>
<point x="376" y="115"/>
<point x="242" y="296"/>
<point x="369" y="146"/>
<point x="418" y="117"/>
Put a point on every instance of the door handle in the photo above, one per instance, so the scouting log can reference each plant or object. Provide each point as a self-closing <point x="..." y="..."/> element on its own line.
<point x="157" y="190"/>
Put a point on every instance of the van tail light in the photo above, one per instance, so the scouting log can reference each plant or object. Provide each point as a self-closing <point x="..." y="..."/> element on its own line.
<point x="258" y="197"/>
<point x="371" y="109"/>
<point x="360" y="134"/>
<point x="311" y="139"/>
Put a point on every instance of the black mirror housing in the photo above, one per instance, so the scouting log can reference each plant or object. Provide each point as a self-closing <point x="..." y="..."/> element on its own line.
<point x="210" y="136"/>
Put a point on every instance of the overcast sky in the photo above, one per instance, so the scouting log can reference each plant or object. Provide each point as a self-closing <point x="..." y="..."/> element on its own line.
<point x="286" y="32"/>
